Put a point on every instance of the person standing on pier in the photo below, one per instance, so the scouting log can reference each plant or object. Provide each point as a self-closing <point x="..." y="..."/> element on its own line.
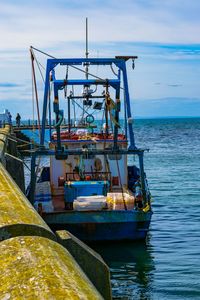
<point x="18" y="119"/>
<point x="9" y="118"/>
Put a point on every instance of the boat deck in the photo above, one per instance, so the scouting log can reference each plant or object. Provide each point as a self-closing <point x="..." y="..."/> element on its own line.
<point x="59" y="205"/>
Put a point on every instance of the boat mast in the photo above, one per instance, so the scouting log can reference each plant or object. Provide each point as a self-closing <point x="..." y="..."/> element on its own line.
<point x="86" y="64"/>
<point x="86" y="47"/>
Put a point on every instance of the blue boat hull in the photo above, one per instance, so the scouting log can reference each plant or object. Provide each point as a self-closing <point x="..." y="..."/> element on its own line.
<point x="102" y="226"/>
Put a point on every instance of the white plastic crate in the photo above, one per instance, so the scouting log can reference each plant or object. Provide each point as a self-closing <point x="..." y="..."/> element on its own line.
<point x="90" y="203"/>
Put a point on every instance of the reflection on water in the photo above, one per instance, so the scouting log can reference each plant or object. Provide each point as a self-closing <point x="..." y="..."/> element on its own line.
<point x="132" y="267"/>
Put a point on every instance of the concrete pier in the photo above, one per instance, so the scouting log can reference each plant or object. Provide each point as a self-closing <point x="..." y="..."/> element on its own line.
<point x="90" y="261"/>
<point x="17" y="216"/>
<point x="37" y="268"/>
<point x="33" y="263"/>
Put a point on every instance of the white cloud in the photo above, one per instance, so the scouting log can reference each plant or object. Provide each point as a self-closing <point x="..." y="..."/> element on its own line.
<point x="115" y="27"/>
<point x="49" y="23"/>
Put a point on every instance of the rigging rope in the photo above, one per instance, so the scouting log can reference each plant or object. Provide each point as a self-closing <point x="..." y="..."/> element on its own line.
<point x="33" y="104"/>
<point x="113" y="70"/>
<point x="38" y="65"/>
<point x="66" y="78"/>
<point x="35" y="89"/>
<point x="72" y="66"/>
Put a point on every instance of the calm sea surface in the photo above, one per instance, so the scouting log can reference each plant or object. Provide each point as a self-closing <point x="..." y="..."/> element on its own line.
<point x="167" y="265"/>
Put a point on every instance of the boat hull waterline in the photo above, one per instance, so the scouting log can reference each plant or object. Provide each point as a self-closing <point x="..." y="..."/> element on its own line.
<point x="103" y="225"/>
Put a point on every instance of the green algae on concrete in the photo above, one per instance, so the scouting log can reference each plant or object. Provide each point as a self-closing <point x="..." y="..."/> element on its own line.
<point x="39" y="268"/>
<point x="32" y="265"/>
<point x="3" y="141"/>
<point x="18" y="217"/>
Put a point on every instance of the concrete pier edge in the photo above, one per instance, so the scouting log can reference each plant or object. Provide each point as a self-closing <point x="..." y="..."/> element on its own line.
<point x="28" y="247"/>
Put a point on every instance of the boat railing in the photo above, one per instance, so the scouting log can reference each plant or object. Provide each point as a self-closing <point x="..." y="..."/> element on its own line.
<point x="104" y="176"/>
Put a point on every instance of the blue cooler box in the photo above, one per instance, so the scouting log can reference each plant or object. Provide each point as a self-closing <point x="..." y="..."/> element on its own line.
<point x="74" y="189"/>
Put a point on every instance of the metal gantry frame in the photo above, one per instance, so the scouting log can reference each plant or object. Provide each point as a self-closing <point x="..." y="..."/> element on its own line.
<point x="60" y="84"/>
<point x="62" y="153"/>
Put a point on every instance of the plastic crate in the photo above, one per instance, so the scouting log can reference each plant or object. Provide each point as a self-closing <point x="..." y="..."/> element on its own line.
<point x="74" y="189"/>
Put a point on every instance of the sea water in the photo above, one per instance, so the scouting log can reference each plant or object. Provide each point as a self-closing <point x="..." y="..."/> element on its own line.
<point x="167" y="265"/>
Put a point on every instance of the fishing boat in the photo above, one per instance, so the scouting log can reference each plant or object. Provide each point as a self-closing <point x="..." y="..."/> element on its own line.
<point x="88" y="188"/>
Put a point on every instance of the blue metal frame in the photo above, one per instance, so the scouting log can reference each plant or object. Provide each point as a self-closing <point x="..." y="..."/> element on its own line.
<point x="62" y="153"/>
<point x="59" y="84"/>
<point x="125" y="224"/>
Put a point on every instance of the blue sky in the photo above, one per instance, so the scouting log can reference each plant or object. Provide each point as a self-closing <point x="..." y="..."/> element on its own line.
<point x="164" y="34"/>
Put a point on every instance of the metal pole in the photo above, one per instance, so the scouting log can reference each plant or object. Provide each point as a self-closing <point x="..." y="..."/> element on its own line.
<point x="46" y="91"/>
<point x="69" y="127"/>
<point x="57" y="112"/>
<point x="86" y="50"/>
<point x="117" y="110"/>
<point x="142" y="177"/>
<point x="128" y="106"/>
<point x="86" y="64"/>
<point x="36" y="93"/>
<point x="49" y="115"/>
<point x="106" y="111"/>
<point x="33" y="179"/>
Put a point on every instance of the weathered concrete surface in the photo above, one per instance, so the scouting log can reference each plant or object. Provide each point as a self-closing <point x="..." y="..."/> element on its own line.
<point x="32" y="264"/>
<point x="3" y="141"/>
<point x="39" y="268"/>
<point x="8" y="156"/>
<point x="90" y="262"/>
<point x="17" y="215"/>
<point x="15" y="168"/>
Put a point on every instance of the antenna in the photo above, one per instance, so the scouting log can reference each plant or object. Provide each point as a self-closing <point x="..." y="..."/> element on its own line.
<point x="86" y="31"/>
<point x="86" y="46"/>
<point x="86" y="64"/>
